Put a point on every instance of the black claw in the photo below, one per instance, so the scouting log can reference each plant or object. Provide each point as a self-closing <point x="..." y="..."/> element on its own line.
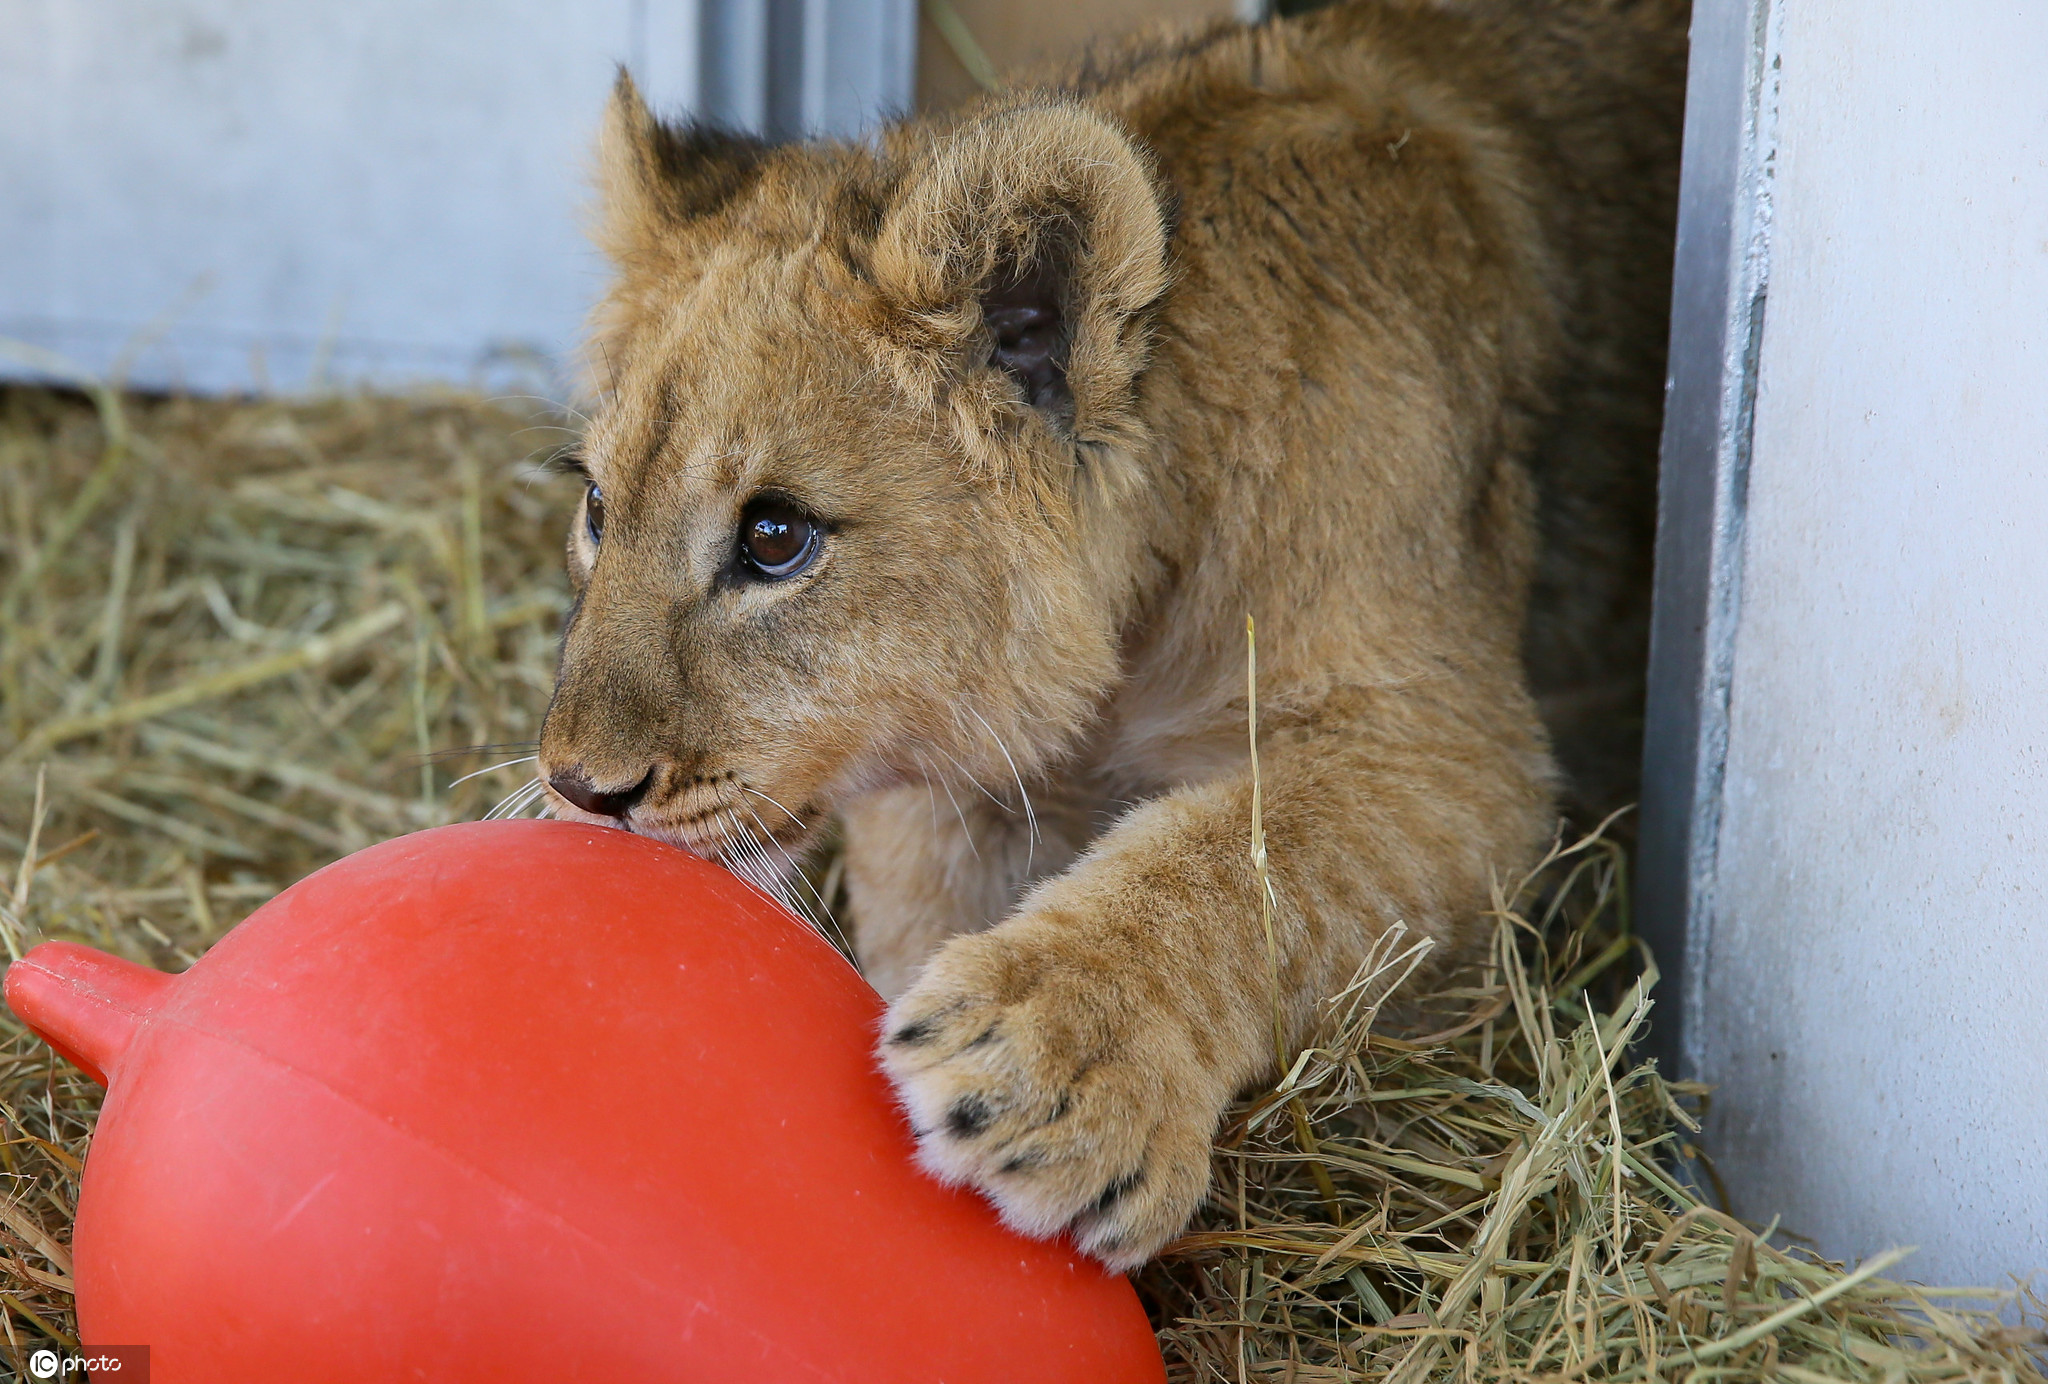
<point x="910" y="1035"/>
<point x="1118" y="1190"/>
<point x="969" y="1116"/>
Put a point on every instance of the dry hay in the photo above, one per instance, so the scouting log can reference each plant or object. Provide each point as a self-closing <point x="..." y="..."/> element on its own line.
<point x="236" y="640"/>
<point x="1497" y="1201"/>
<point x="233" y="639"/>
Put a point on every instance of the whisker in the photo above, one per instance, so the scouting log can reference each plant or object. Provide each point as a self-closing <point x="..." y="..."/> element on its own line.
<point x="931" y="796"/>
<point x="785" y="882"/>
<point x="547" y="427"/>
<point x="563" y="460"/>
<point x="750" y="846"/>
<point x="457" y="751"/>
<point x="492" y="769"/>
<point x="751" y="863"/>
<point x="1030" y="817"/>
<point x="965" y="830"/>
<point x="970" y="778"/>
<point x="824" y="920"/>
<point x="552" y="405"/>
<point x="800" y="823"/>
<point x="518" y="800"/>
<point x="492" y="810"/>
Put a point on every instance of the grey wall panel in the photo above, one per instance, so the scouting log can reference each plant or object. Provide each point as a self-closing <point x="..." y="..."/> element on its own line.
<point x="227" y="194"/>
<point x="1847" y="808"/>
<point x="1873" y="1008"/>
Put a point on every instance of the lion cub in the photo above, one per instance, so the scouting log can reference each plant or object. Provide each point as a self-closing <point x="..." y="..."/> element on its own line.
<point x="933" y="478"/>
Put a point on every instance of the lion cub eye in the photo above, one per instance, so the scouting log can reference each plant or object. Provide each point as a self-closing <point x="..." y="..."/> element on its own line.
<point x="777" y="539"/>
<point x="593" y="513"/>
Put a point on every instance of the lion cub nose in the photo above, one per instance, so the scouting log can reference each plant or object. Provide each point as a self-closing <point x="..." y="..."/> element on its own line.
<point x="575" y="785"/>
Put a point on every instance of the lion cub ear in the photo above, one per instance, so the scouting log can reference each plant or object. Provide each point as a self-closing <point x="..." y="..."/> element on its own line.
<point x="654" y="179"/>
<point x="1033" y="240"/>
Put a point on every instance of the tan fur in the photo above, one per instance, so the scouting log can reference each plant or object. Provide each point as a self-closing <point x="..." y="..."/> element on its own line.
<point x="1356" y="307"/>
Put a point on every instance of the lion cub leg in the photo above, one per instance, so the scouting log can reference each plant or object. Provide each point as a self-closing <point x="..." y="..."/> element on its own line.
<point x="921" y="866"/>
<point x="1073" y="1062"/>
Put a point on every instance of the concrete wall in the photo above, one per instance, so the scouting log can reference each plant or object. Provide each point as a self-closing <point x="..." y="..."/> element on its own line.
<point x="1855" y="611"/>
<point x="227" y="194"/>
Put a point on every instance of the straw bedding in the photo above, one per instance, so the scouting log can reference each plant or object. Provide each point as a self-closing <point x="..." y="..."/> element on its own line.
<point x="238" y="640"/>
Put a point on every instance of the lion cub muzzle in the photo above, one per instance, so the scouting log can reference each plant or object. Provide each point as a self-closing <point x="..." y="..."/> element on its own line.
<point x="575" y="785"/>
<point x="686" y="809"/>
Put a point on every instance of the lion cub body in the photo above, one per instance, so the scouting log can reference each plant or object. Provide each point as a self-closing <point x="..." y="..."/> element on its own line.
<point x="1352" y="324"/>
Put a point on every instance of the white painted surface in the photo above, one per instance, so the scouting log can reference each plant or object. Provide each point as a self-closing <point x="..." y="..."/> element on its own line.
<point x="227" y="194"/>
<point x="1874" y="1004"/>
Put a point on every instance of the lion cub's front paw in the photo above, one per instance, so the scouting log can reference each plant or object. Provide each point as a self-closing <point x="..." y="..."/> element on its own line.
<point x="1060" y="1090"/>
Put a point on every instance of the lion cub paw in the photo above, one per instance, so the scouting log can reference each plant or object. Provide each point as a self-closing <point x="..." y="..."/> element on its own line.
<point x="1074" y="1103"/>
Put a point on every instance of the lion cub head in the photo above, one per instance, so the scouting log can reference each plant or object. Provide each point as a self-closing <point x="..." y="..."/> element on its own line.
<point x="859" y="467"/>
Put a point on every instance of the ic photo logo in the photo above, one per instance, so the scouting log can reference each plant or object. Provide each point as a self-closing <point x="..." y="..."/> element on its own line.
<point x="128" y="1364"/>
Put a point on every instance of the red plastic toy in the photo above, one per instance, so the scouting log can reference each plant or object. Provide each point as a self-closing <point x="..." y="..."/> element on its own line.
<point x="525" y="1101"/>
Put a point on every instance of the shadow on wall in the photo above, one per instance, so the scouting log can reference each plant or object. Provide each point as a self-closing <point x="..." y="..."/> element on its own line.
<point x="964" y="44"/>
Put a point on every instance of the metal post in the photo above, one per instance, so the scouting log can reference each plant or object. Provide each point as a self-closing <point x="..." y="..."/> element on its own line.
<point x="1721" y="284"/>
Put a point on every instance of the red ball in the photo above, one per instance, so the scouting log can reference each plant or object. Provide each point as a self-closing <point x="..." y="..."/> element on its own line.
<point x="526" y="1101"/>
